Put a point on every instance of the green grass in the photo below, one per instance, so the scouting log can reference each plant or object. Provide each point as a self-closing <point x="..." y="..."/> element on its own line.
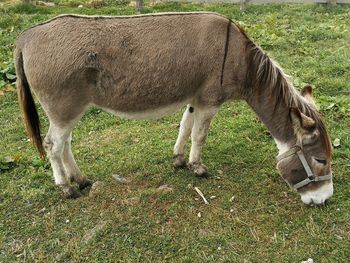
<point x="135" y="221"/>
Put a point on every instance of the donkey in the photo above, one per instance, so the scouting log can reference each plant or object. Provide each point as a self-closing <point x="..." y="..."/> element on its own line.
<point x="148" y="66"/>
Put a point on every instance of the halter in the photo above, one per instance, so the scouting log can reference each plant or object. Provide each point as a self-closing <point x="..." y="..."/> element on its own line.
<point x="296" y="149"/>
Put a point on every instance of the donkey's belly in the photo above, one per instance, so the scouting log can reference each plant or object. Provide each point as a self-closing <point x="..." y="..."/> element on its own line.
<point x="149" y="113"/>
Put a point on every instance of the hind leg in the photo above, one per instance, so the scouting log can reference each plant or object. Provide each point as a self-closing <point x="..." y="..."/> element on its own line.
<point x="182" y="139"/>
<point x="202" y="119"/>
<point x="71" y="168"/>
<point x="54" y="145"/>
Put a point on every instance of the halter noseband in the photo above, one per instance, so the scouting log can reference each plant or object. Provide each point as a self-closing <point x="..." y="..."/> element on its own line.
<point x="296" y="149"/>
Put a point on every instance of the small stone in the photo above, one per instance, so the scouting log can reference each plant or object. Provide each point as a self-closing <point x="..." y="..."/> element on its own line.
<point x="67" y="221"/>
<point x="338" y="237"/>
<point x="120" y="179"/>
<point x="336" y="143"/>
<point x="45" y="3"/>
<point x="231" y="210"/>
<point x="42" y="210"/>
<point x="80" y="6"/>
<point x="199" y="214"/>
<point x="310" y="260"/>
<point x="96" y="187"/>
<point x="165" y="188"/>
<point x="232" y="198"/>
<point x="8" y="159"/>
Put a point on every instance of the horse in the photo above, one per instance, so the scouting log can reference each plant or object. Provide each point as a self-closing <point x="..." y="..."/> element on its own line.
<point x="148" y="66"/>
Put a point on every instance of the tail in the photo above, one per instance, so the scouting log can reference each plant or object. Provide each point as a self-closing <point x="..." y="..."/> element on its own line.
<point x="26" y="101"/>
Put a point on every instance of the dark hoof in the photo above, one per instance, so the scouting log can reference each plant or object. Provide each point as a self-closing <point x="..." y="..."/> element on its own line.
<point x="71" y="193"/>
<point x="85" y="184"/>
<point x="179" y="161"/>
<point x="198" y="169"/>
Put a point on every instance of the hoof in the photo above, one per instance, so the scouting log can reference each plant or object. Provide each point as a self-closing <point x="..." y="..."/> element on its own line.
<point x="179" y="161"/>
<point x="198" y="169"/>
<point x="70" y="192"/>
<point x="86" y="183"/>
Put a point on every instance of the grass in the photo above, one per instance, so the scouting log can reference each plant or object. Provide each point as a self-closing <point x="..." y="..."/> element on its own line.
<point x="136" y="222"/>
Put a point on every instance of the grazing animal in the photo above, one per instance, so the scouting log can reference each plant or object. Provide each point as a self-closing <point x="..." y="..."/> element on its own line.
<point x="148" y="66"/>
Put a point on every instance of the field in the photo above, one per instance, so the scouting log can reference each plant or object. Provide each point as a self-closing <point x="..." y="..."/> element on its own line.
<point x="156" y="216"/>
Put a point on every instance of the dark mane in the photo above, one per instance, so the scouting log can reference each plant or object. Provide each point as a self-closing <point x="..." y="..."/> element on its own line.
<point x="263" y="73"/>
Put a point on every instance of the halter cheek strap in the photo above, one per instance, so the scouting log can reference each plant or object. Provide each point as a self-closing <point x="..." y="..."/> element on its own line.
<point x="296" y="149"/>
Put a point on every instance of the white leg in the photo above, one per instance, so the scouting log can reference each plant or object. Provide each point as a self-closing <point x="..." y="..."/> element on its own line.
<point x="184" y="134"/>
<point x="54" y="146"/>
<point x="202" y="119"/>
<point x="71" y="168"/>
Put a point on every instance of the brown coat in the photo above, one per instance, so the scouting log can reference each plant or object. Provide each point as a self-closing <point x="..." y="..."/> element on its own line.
<point x="132" y="64"/>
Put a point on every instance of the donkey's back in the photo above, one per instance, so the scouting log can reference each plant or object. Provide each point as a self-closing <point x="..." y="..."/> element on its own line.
<point x="125" y="64"/>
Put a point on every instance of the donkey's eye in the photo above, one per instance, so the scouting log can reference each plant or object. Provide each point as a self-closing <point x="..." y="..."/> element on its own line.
<point x="324" y="162"/>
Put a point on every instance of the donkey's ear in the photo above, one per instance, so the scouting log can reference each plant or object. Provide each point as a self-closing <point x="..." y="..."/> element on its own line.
<point x="306" y="92"/>
<point x="301" y="122"/>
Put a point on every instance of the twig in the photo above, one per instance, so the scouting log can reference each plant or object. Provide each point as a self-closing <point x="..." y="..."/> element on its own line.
<point x="201" y="195"/>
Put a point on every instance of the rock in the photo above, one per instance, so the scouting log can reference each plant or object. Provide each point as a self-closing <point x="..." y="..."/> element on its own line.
<point x="96" y="188"/>
<point x="8" y="159"/>
<point x="336" y="143"/>
<point x="50" y="4"/>
<point x="120" y="179"/>
<point x="165" y="188"/>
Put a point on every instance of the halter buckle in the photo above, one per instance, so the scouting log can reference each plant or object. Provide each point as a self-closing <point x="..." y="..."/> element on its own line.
<point x="313" y="178"/>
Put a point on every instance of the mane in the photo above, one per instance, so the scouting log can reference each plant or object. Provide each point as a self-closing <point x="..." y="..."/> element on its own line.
<point x="263" y="73"/>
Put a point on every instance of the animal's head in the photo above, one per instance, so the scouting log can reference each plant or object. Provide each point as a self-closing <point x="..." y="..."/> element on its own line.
<point x="307" y="165"/>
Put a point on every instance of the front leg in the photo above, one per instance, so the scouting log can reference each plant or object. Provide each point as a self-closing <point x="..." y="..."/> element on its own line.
<point x="184" y="133"/>
<point x="202" y="120"/>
